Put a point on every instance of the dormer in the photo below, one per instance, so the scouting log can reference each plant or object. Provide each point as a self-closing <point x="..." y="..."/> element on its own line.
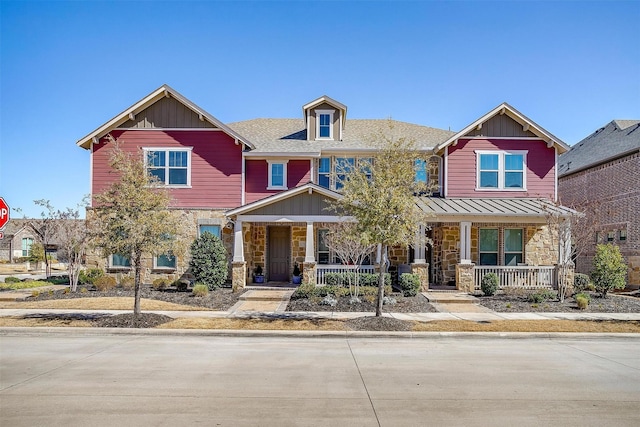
<point x="324" y="119"/>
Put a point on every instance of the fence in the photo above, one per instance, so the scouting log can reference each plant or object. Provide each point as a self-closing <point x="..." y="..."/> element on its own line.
<point x="525" y="277"/>
<point x="322" y="269"/>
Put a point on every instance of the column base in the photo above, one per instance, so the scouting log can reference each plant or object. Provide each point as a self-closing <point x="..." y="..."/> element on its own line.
<point x="238" y="275"/>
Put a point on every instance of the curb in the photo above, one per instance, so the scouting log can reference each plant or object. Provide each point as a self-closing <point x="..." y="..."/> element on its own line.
<point x="242" y="333"/>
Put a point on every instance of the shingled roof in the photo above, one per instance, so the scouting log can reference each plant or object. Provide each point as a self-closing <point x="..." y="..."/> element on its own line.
<point x="607" y="143"/>
<point x="271" y="136"/>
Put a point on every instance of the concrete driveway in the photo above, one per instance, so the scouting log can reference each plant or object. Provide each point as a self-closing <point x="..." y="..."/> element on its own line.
<point x="77" y="379"/>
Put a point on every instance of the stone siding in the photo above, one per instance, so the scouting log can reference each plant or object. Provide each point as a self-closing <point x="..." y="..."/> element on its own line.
<point x="190" y="223"/>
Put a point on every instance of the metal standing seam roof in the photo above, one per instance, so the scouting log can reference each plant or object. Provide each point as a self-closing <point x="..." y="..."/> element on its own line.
<point x="290" y="135"/>
<point x="519" y="207"/>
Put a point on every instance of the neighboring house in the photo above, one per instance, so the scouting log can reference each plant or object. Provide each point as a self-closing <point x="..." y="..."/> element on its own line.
<point x="603" y="170"/>
<point x="17" y="241"/>
<point x="263" y="186"/>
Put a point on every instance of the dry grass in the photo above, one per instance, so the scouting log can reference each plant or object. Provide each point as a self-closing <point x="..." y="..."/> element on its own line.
<point x="603" y="326"/>
<point x="612" y="326"/>
<point x="255" y="324"/>
<point x="31" y="322"/>
<point x="102" y="303"/>
<point x="593" y="326"/>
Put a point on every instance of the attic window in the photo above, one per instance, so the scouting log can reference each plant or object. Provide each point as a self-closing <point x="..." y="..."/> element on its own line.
<point x="324" y="127"/>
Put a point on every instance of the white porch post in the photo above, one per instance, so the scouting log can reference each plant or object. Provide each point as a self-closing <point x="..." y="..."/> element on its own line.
<point x="238" y="242"/>
<point x="465" y="242"/>
<point x="310" y="254"/>
<point x="419" y="250"/>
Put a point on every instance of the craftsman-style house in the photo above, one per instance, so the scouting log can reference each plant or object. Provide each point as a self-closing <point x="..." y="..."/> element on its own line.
<point x="263" y="186"/>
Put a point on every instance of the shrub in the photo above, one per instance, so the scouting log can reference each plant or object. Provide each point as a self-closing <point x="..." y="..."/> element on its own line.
<point x="127" y="282"/>
<point x="12" y="280"/>
<point x="104" y="283"/>
<point x="354" y="300"/>
<point x="582" y="300"/>
<point x="160" y="284"/>
<point x="329" y="300"/>
<point x="200" y="290"/>
<point x="89" y="276"/>
<point x="35" y="294"/>
<point x="389" y="300"/>
<point x="410" y="284"/>
<point x="323" y="291"/>
<point x="581" y="283"/>
<point x="83" y="290"/>
<point x="181" y="284"/>
<point x="333" y="279"/>
<point x="305" y="290"/>
<point x="489" y="284"/>
<point x="542" y="295"/>
<point x="609" y="270"/>
<point x="209" y="261"/>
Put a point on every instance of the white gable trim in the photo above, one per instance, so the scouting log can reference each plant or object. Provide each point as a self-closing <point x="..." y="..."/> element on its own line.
<point x="153" y="97"/>
<point x="527" y="124"/>
<point x="310" y="188"/>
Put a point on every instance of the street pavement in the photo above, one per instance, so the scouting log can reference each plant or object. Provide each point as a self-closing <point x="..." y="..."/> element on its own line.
<point x="72" y="378"/>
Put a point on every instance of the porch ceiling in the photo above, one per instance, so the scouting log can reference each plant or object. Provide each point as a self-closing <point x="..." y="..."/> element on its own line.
<point x="455" y="209"/>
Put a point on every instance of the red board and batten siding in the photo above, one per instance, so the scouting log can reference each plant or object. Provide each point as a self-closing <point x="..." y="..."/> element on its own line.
<point x="461" y="167"/>
<point x="257" y="177"/>
<point x="216" y="165"/>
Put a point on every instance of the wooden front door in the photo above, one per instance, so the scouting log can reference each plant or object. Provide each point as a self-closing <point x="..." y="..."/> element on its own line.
<point x="279" y="252"/>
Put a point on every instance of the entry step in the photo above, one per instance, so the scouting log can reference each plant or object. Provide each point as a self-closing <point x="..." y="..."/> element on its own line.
<point x="450" y="297"/>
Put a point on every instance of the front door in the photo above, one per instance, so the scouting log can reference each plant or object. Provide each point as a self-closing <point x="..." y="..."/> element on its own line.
<point x="279" y="250"/>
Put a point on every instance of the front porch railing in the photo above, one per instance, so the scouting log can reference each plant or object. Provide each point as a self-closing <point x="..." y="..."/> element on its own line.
<point x="524" y="277"/>
<point x="322" y="269"/>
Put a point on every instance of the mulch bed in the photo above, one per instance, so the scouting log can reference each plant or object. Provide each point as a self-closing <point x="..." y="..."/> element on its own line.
<point x="613" y="303"/>
<point x="417" y="304"/>
<point x="219" y="300"/>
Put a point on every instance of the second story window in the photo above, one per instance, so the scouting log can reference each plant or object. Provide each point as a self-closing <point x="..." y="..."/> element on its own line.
<point x="324" y="128"/>
<point x="277" y="175"/>
<point x="170" y="167"/>
<point x="501" y="170"/>
<point x="324" y="172"/>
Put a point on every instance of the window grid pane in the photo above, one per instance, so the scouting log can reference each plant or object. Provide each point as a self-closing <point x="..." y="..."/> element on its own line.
<point x="166" y="261"/>
<point x="277" y="175"/>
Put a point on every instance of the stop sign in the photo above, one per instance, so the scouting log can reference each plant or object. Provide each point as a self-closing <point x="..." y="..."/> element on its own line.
<point x="4" y="213"/>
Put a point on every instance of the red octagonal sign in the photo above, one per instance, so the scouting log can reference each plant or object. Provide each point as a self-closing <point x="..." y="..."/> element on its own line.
<point x="4" y="213"/>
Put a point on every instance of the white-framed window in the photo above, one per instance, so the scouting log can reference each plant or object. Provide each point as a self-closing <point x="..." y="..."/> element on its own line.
<point x="277" y="175"/>
<point x="501" y="170"/>
<point x="119" y="261"/>
<point x="165" y="261"/>
<point x="171" y="167"/>
<point x="333" y="170"/>
<point x="324" y="254"/>
<point x="209" y="228"/>
<point x="611" y="236"/>
<point x="324" y="172"/>
<point x="489" y="246"/>
<point x="27" y="242"/>
<point x="324" y="124"/>
<point x="513" y="246"/>
<point x="622" y="235"/>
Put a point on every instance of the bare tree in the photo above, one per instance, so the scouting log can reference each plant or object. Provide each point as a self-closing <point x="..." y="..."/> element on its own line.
<point x="379" y="194"/>
<point x="572" y="233"/>
<point x="44" y="229"/>
<point x="73" y="240"/>
<point x="352" y="247"/>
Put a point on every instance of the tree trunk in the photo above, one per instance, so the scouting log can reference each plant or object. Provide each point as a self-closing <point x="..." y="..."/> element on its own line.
<point x="383" y="270"/>
<point x="136" y="304"/>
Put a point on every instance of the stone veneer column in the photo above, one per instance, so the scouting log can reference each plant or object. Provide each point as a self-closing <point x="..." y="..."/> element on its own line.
<point x="422" y="270"/>
<point x="239" y="275"/>
<point x="309" y="272"/>
<point x="464" y="278"/>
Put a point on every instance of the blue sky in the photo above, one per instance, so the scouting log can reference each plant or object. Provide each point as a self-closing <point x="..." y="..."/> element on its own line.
<point x="68" y="67"/>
